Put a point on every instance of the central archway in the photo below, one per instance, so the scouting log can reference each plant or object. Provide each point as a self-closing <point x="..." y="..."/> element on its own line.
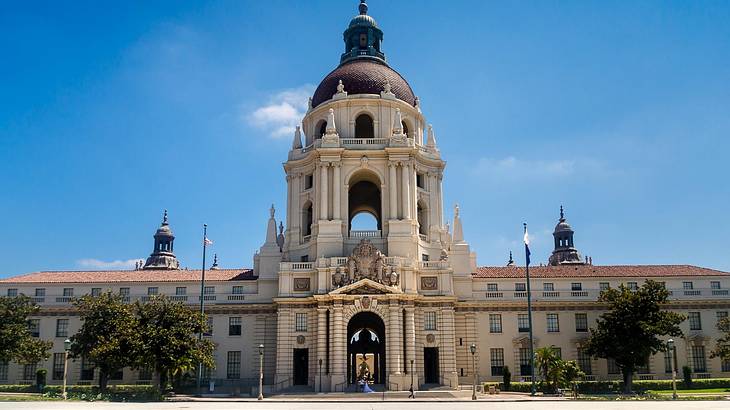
<point x="364" y="197"/>
<point x="366" y="344"/>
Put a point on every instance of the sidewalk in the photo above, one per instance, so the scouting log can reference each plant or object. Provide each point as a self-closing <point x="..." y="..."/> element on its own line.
<point x="400" y="396"/>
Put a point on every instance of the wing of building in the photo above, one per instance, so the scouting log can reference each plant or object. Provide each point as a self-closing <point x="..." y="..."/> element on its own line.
<point x="401" y="301"/>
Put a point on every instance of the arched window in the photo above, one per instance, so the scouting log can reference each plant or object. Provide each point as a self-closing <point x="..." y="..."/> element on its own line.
<point x="405" y="127"/>
<point x="307" y="219"/>
<point x="322" y="129"/>
<point x="422" y="218"/>
<point x="364" y="126"/>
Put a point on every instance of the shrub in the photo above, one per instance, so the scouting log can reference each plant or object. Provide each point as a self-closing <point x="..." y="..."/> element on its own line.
<point x="40" y="378"/>
<point x="122" y="393"/>
<point x="506" y="379"/>
<point x="616" y="386"/>
<point x="687" y="376"/>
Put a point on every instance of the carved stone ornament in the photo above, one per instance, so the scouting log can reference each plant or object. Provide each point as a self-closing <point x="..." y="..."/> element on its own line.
<point x="301" y="284"/>
<point x="430" y="338"/>
<point x="367" y="262"/>
<point x="365" y="302"/>
<point x="429" y="283"/>
<point x="301" y="339"/>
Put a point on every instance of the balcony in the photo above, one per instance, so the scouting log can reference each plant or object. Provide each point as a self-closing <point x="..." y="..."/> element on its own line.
<point x="428" y="265"/>
<point x="592" y="294"/>
<point x="363" y="143"/>
<point x="494" y="295"/>
<point x="365" y="234"/>
<point x="292" y="266"/>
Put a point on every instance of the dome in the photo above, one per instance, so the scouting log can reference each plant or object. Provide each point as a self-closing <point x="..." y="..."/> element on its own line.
<point x="363" y="76"/>
<point x="363" y="20"/>
<point x="563" y="226"/>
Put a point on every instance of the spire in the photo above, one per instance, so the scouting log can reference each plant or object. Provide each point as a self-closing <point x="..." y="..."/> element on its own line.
<point x="280" y="237"/>
<point x="362" y="37"/>
<point x="564" y="250"/>
<point x="397" y="123"/>
<point x="271" y="228"/>
<point x="215" y="262"/>
<point x="297" y="143"/>
<point x="331" y="127"/>
<point x="431" y="142"/>
<point x="511" y="261"/>
<point x="162" y="256"/>
<point x="458" y="230"/>
<point x="363" y="8"/>
<point x="562" y="214"/>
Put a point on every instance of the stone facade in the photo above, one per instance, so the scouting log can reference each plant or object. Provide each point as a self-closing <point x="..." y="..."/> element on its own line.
<point x="406" y="297"/>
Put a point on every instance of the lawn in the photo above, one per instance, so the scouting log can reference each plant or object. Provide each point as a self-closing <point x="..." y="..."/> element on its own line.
<point x="715" y="390"/>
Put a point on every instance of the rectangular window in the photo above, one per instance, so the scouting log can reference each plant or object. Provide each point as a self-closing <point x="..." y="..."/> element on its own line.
<point x="699" y="363"/>
<point x="153" y="290"/>
<point x="553" y="324"/>
<point x="95" y="292"/>
<point x="612" y="366"/>
<point x="495" y="323"/>
<point x="419" y="181"/>
<point x="584" y="362"/>
<point x="687" y="285"/>
<point x="525" y="368"/>
<point x="3" y="370"/>
<point x="725" y="366"/>
<point x="209" y="290"/>
<point x="124" y="292"/>
<point x="12" y="292"/>
<point x="301" y="322"/>
<point x="308" y="181"/>
<point x="429" y="321"/>
<point x="61" y="327"/>
<point x="209" y="330"/>
<point x="576" y="286"/>
<point x="548" y="287"/>
<point x="604" y="286"/>
<point x="87" y="369"/>
<point x="424" y="257"/>
<point x="237" y="290"/>
<point x="523" y="322"/>
<point x="29" y="371"/>
<point x="68" y="292"/>
<point x="668" y="361"/>
<point x="233" y="366"/>
<point x="492" y="287"/>
<point x="34" y="327"/>
<point x="695" y="323"/>
<point x="581" y="322"/>
<point x="40" y="292"/>
<point x="632" y="285"/>
<point x="181" y="291"/>
<point x="714" y="284"/>
<point x="520" y="287"/>
<point x="722" y="314"/>
<point x="234" y="326"/>
<point x="58" y="359"/>
<point x="496" y="356"/>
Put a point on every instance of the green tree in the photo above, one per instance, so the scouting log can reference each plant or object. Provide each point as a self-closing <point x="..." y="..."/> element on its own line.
<point x="549" y="364"/>
<point x="16" y="341"/>
<point x="169" y="339"/>
<point x="722" y="346"/>
<point x="629" y="332"/>
<point x="570" y="372"/>
<point x="108" y="336"/>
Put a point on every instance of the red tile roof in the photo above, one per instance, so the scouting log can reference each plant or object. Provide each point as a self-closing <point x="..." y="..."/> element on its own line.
<point x="593" y="271"/>
<point x="131" y="276"/>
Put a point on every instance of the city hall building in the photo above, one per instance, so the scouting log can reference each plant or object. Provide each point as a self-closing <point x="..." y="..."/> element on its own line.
<point x="401" y="302"/>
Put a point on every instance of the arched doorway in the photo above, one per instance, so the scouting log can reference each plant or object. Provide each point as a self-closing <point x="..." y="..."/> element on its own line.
<point x="364" y="197"/>
<point x="366" y="348"/>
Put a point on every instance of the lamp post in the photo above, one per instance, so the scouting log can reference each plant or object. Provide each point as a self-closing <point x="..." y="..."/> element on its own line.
<point x="473" y="350"/>
<point x="411" y="374"/>
<point x="66" y="348"/>
<point x="261" y="372"/>
<point x="673" y="349"/>
<point x="320" y="375"/>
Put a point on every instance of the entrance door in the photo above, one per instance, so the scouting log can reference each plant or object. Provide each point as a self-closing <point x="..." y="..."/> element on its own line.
<point x="431" y="365"/>
<point x="301" y="367"/>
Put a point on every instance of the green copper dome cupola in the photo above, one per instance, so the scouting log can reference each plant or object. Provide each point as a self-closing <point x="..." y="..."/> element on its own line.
<point x="362" y="37"/>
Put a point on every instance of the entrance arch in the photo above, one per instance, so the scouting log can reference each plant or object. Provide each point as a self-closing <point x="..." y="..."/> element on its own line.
<point x="366" y="344"/>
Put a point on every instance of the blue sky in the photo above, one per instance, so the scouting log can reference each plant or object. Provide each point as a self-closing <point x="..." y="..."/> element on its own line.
<point x="110" y="113"/>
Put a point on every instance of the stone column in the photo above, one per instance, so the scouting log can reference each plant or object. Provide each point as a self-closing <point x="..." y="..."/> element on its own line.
<point x="411" y="339"/>
<point x="323" y="185"/>
<point x="336" y="189"/>
<point x="447" y="353"/>
<point x="393" y="191"/>
<point x="296" y="212"/>
<point x="321" y="346"/>
<point x="405" y="191"/>
<point x="439" y="178"/>
<point x="395" y="342"/>
<point x="433" y="195"/>
<point x="284" y="359"/>
<point x="339" y="351"/>
<point x="414" y="190"/>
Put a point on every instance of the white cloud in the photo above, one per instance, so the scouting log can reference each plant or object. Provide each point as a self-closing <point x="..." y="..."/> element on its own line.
<point x="283" y="112"/>
<point x="513" y="169"/>
<point x="99" y="264"/>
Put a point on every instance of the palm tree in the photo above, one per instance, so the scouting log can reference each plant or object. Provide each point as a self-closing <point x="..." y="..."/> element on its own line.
<point x="549" y="363"/>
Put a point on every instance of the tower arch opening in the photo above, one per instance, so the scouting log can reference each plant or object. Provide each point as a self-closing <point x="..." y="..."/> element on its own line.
<point x="366" y="348"/>
<point x="422" y="215"/>
<point x="307" y="215"/>
<point x="321" y="129"/>
<point x="364" y="197"/>
<point x="364" y="127"/>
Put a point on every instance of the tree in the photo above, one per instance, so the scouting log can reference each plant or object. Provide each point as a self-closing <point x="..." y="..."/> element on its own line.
<point x="570" y="372"/>
<point x="722" y="346"/>
<point x="548" y="362"/>
<point x="108" y="336"/>
<point x="16" y="341"/>
<point x="169" y="339"/>
<point x="629" y="331"/>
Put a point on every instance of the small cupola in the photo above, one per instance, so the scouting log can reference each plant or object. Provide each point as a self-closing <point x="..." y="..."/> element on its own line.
<point x="362" y="37"/>
<point x="162" y="256"/>
<point x="564" y="250"/>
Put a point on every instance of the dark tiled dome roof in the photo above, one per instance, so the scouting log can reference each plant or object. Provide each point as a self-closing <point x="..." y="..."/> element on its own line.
<point x="363" y="76"/>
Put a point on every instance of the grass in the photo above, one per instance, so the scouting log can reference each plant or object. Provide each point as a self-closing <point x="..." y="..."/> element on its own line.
<point x="715" y="390"/>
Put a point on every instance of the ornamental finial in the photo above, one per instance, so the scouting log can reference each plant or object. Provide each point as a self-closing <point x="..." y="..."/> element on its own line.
<point x="363" y="7"/>
<point x="562" y="214"/>
<point x="164" y="218"/>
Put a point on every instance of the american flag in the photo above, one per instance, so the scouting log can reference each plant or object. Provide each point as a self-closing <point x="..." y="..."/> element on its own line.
<point x="207" y="242"/>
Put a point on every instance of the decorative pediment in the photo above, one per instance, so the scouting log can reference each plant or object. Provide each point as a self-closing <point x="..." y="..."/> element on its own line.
<point x="365" y="287"/>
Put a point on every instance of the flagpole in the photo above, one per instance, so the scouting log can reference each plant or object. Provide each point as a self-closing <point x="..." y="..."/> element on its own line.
<point x="529" y="312"/>
<point x="202" y="306"/>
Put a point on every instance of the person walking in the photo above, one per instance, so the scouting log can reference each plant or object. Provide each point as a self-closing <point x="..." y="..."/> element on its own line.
<point x="411" y="395"/>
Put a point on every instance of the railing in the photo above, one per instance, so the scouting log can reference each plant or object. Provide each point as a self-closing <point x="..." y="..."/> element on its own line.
<point x="236" y="297"/>
<point x="365" y="234"/>
<point x="592" y="294"/>
<point x="64" y="299"/>
<point x="423" y="237"/>
<point x="719" y="292"/>
<point x="646" y="377"/>
<point x="363" y="141"/>
<point x="589" y="378"/>
<point x="282" y="384"/>
<point x="550" y="294"/>
<point x="340" y="261"/>
<point x="692" y="292"/>
<point x="520" y="294"/>
<point x="578" y="293"/>
<point x="306" y="238"/>
<point x="703" y="376"/>
<point x="433" y="264"/>
<point x="178" y="298"/>
<point x="494" y="295"/>
<point x="38" y="299"/>
<point x="207" y="297"/>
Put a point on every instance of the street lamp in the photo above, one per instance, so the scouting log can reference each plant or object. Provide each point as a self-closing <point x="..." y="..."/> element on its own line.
<point x="320" y="375"/>
<point x="672" y="360"/>
<point x="411" y="374"/>
<point x="66" y="349"/>
<point x="473" y="350"/>
<point x="261" y="372"/>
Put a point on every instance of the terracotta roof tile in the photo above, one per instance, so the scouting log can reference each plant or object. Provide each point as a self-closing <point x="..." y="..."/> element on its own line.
<point x="593" y="271"/>
<point x="131" y="276"/>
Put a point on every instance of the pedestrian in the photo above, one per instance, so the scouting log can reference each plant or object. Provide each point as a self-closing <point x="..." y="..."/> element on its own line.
<point x="411" y="395"/>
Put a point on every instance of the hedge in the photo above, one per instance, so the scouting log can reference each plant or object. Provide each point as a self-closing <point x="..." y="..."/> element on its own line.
<point x="91" y="393"/>
<point x="616" y="386"/>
